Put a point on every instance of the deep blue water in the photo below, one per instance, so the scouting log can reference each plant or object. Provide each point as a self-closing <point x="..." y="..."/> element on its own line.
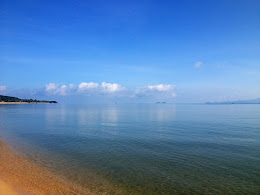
<point x="142" y="148"/>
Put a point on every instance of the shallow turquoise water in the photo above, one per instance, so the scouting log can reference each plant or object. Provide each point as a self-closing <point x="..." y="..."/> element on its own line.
<point x="142" y="148"/>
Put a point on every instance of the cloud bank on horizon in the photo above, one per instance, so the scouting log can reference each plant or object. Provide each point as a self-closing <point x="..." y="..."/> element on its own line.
<point x="109" y="89"/>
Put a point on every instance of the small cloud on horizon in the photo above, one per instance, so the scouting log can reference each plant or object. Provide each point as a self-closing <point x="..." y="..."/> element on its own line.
<point x="103" y="87"/>
<point x="111" y="87"/>
<point x="86" y="86"/>
<point x="56" y="89"/>
<point x="163" y="88"/>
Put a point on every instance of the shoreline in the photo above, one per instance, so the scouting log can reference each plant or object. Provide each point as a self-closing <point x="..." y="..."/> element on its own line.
<point x="25" y="103"/>
<point x="19" y="176"/>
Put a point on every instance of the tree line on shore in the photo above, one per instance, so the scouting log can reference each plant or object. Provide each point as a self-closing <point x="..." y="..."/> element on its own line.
<point x="15" y="99"/>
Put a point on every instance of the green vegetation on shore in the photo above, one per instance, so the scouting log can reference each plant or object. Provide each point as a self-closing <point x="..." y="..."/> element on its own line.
<point x="15" y="99"/>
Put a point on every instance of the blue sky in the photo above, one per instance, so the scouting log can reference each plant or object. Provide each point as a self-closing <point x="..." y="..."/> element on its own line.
<point x="143" y="51"/>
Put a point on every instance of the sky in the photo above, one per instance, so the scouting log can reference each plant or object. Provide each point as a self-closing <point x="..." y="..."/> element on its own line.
<point x="130" y="51"/>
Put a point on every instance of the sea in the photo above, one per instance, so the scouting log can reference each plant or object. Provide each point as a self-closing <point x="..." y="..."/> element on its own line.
<point x="141" y="148"/>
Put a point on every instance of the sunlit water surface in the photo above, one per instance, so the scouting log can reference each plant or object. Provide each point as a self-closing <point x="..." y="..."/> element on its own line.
<point x="142" y="148"/>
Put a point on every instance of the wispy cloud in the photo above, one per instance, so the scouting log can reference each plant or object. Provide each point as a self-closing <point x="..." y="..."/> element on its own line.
<point x="3" y="88"/>
<point x="198" y="64"/>
<point x="38" y="60"/>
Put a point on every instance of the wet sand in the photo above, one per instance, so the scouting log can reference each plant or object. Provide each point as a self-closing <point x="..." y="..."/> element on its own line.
<point x="18" y="175"/>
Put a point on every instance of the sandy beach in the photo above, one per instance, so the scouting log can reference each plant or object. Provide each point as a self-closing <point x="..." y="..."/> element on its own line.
<point x="20" y="176"/>
<point x="14" y="102"/>
<point x="8" y="189"/>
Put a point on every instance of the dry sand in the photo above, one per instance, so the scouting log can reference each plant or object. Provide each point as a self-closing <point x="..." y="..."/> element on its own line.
<point x="6" y="189"/>
<point x="20" y="176"/>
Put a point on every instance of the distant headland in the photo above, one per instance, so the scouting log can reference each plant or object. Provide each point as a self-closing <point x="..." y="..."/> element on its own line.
<point x="15" y="100"/>
<point x="254" y="101"/>
<point x="160" y="102"/>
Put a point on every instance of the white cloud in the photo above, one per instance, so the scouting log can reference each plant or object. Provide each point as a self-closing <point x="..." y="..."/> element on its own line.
<point x="173" y="94"/>
<point x="198" y="64"/>
<point x="111" y="87"/>
<point x="56" y="89"/>
<point x="167" y="90"/>
<point x="86" y="86"/>
<point x="161" y="87"/>
<point x="2" y="88"/>
<point x="160" y="91"/>
<point x="90" y="88"/>
<point x="63" y="90"/>
<point x="51" y="87"/>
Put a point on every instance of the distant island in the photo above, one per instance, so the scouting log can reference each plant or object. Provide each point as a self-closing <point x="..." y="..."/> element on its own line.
<point x="15" y="100"/>
<point x="253" y="101"/>
<point x="160" y="102"/>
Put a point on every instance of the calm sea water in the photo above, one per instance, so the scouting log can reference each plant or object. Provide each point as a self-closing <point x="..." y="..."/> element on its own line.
<point x="142" y="148"/>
